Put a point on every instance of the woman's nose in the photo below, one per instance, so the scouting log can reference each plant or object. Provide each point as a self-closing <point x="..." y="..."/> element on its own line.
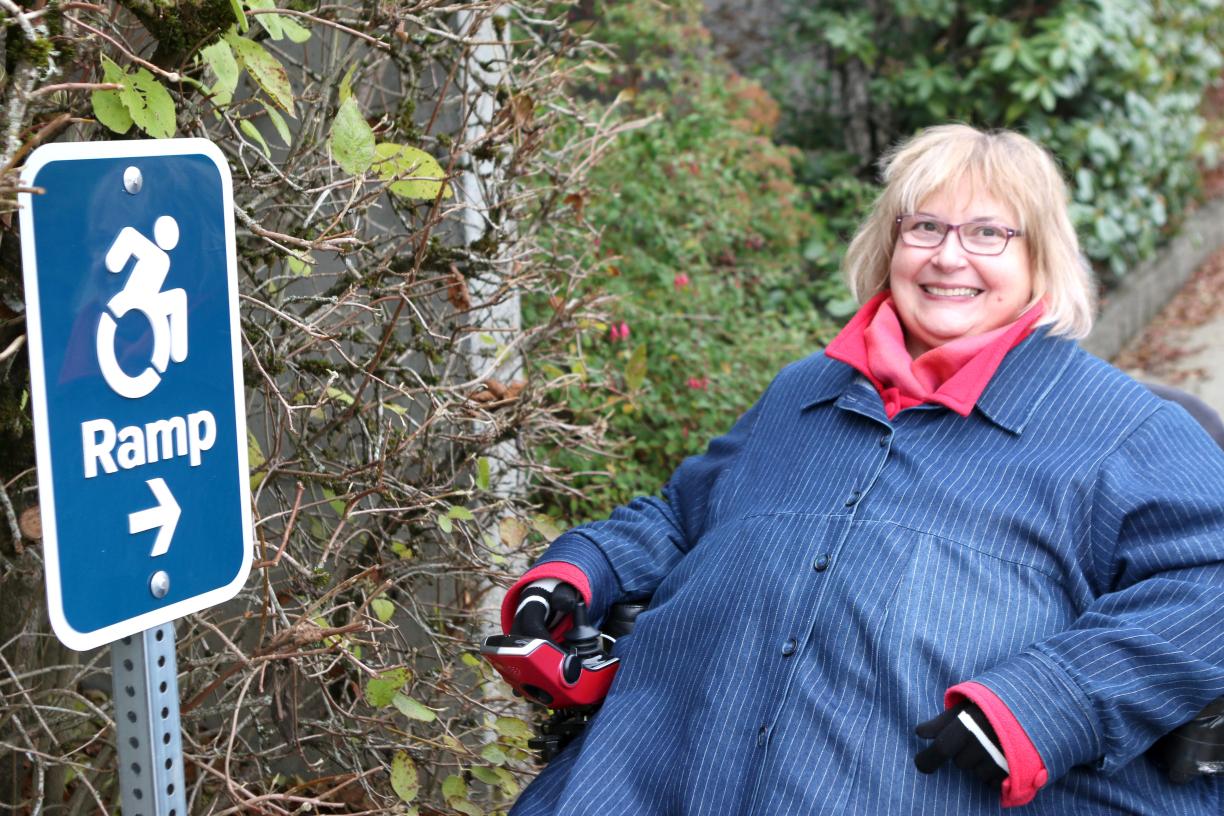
<point x="950" y="254"/>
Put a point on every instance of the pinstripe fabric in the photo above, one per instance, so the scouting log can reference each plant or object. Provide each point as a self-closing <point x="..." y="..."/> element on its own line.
<point x="821" y="575"/>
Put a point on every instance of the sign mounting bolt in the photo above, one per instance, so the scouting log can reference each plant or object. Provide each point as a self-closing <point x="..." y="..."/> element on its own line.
<point x="159" y="584"/>
<point x="132" y="180"/>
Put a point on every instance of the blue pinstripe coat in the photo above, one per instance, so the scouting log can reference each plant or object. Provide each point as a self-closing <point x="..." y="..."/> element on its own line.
<point x="822" y="574"/>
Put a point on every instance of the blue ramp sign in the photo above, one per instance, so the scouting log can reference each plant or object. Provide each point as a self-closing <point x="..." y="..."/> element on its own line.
<point x="131" y="286"/>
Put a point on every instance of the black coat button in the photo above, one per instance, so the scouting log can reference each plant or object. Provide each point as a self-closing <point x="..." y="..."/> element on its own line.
<point x="789" y="647"/>
<point x="853" y="498"/>
<point x="821" y="563"/>
<point x="884" y="440"/>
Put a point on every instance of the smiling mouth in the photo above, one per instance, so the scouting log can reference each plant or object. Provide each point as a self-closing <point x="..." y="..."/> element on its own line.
<point x="961" y="291"/>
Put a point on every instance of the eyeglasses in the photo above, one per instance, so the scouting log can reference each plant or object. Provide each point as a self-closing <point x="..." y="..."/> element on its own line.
<point x="976" y="237"/>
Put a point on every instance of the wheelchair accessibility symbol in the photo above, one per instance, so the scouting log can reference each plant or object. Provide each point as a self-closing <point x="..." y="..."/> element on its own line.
<point x="166" y="310"/>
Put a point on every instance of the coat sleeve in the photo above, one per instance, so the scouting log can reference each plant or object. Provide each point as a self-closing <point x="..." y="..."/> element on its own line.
<point x="629" y="553"/>
<point x="1148" y="652"/>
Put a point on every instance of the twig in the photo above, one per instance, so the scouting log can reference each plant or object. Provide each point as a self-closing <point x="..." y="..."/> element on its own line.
<point x="10" y="518"/>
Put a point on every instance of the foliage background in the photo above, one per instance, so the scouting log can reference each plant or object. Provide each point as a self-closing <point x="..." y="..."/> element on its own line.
<point x="1113" y="89"/>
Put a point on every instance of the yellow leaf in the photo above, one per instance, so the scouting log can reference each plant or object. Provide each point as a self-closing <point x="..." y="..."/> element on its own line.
<point x="410" y="172"/>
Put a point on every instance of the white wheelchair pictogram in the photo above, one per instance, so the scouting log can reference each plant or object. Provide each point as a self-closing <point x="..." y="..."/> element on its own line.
<point x="166" y="311"/>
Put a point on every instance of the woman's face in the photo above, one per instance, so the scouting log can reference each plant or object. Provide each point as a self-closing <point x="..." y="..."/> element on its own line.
<point x="944" y="292"/>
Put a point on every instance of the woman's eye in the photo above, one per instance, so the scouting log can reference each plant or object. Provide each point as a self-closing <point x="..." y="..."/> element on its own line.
<point x="927" y="226"/>
<point x="988" y="231"/>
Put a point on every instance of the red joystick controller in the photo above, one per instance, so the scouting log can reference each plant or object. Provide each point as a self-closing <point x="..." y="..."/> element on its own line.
<point x="575" y="673"/>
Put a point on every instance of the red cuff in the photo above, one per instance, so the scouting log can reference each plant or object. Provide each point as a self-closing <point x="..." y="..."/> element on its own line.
<point x="1028" y="773"/>
<point x="553" y="569"/>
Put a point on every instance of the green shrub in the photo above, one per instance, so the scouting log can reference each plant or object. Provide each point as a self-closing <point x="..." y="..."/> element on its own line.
<point x="702" y="231"/>
<point x="1113" y="88"/>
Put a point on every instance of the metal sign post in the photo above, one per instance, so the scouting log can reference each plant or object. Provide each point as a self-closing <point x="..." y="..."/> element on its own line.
<point x="150" y="746"/>
<point x="131" y="284"/>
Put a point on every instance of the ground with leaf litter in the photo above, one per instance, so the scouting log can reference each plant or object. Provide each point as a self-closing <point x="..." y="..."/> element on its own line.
<point x="1184" y="345"/>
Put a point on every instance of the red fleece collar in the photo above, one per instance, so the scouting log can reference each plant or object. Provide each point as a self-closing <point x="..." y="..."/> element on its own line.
<point x="954" y="374"/>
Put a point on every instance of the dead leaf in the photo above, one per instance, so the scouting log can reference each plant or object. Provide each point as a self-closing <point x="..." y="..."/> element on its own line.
<point x="457" y="291"/>
<point x="30" y="523"/>
<point x="576" y="201"/>
<point x="523" y="109"/>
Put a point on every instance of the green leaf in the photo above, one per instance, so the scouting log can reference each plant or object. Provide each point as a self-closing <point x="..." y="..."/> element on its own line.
<point x="506" y="780"/>
<point x="493" y="753"/>
<point x="482" y="473"/>
<point x="255" y="459"/>
<point x="413" y="710"/>
<point x="404" y="779"/>
<point x="346" y="85"/>
<point x="460" y="512"/>
<point x="470" y="660"/>
<point x="381" y="690"/>
<point x="453" y="787"/>
<point x="419" y="174"/>
<point x="635" y="369"/>
<point x="512" y="727"/>
<point x="335" y="504"/>
<point x="264" y="68"/>
<point x="351" y="140"/>
<point x="108" y="106"/>
<point x="485" y="775"/>
<point x="252" y="132"/>
<point x="278" y="122"/>
<point x="298" y="266"/>
<point x="383" y="609"/>
<point x="466" y="807"/>
<point x="220" y="59"/>
<point x="337" y="394"/>
<point x="445" y="523"/>
<point x="1002" y="59"/>
<point x="149" y="103"/>
<point x="239" y="14"/>
<point x="271" y="22"/>
<point x="294" y="30"/>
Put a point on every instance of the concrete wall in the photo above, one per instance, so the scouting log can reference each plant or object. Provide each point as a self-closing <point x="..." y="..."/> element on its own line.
<point x="1147" y="289"/>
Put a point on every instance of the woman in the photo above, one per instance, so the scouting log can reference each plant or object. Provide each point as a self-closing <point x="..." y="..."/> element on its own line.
<point x="951" y="507"/>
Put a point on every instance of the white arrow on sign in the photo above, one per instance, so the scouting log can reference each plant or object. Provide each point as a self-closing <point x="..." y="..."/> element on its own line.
<point x="165" y="515"/>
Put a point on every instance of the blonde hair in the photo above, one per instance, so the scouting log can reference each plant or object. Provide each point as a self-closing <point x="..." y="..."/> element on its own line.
<point x="1013" y="169"/>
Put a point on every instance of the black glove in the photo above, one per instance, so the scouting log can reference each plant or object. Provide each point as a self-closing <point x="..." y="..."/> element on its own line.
<point x="541" y="607"/>
<point x="963" y="733"/>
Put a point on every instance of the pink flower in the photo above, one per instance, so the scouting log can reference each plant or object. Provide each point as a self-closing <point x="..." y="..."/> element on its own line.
<point x="624" y="330"/>
<point x="680" y="281"/>
<point x="617" y="333"/>
<point x="699" y="383"/>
